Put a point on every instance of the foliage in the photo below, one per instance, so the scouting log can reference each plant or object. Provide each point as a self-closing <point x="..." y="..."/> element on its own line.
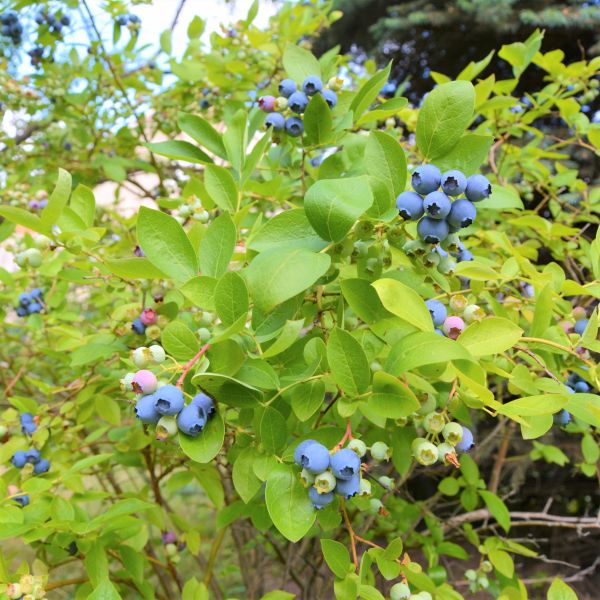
<point x="277" y="270"/>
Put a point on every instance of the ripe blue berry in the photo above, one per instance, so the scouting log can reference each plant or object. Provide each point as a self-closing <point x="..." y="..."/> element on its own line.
<point x="330" y="97"/>
<point x="37" y="293"/>
<point x="580" y="326"/>
<point x="426" y="179"/>
<point x="294" y="126"/>
<point x="24" y="299"/>
<point x="138" y="326"/>
<point x="205" y="403"/>
<point x="26" y="418"/>
<point x="276" y="121"/>
<point x="319" y="500"/>
<point x="312" y="85"/>
<point x="462" y="213"/>
<point x="145" y="411"/>
<point x="465" y="255"/>
<point x="298" y="102"/>
<point x="21" y="311"/>
<point x="437" y="205"/>
<point x="42" y="466"/>
<point x="34" y="307"/>
<point x="32" y="456"/>
<point x="348" y="487"/>
<point x="22" y="500"/>
<point x="28" y="428"/>
<point x="466" y="442"/>
<point x="478" y="188"/>
<point x="191" y="420"/>
<point x="454" y="182"/>
<point x="432" y="231"/>
<point x="299" y="450"/>
<point x="410" y="205"/>
<point x="287" y="87"/>
<point x="345" y="464"/>
<point x="315" y="458"/>
<point x="438" y="312"/>
<point x="563" y="417"/>
<point x="582" y="387"/>
<point x="19" y="459"/>
<point x="168" y="400"/>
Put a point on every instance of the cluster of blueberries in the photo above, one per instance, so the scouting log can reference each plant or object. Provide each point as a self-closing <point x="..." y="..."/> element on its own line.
<point x="38" y="204"/>
<point x="575" y="384"/>
<point x="164" y="405"/>
<point x="401" y="591"/>
<point x="581" y="321"/>
<point x="326" y="474"/>
<point x="11" y="27"/>
<point x="28" y="588"/>
<point x="147" y="317"/>
<point x="295" y="101"/>
<point x="55" y="22"/>
<point x="437" y="214"/>
<point x="129" y="20"/>
<point x="457" y="438"/>
<point x="30" y="302"/>
<point x="452" y="326"/>
<point x="172" y="545"/>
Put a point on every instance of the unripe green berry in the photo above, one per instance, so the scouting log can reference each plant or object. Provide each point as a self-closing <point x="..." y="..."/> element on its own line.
<point x="158" y="354"/>
<point x="42" y="242"/>
<point x="447" y="265"/>
<point x="429" y="404"/>
<point x="171" y="549"/>
<point x="166" y="427"/>
<point x="400" y="591"/>
<point x="358" y="446"/>
<point x="203" y="334"/>
<point x="307" y="478"/>
<point x="325" y="482"/>
<point x="452" y="433"/>
<point x="415" y="247"/>
<point x="444" y="450"/>
<point x="470" y="574"/>
<point x="141" y="357"/>
<point x="483" y="582"/>
<point x="433" y="422"/>
<point x="486" y="566"/>
<point x="386" y="482"/>
<point x="381" y="451"/>
<point x="365" y="488"/>
<point x="432" y="259"/>
<point x="153" y="332"/>
<point x="425" y="453"/>
<point x="473" y="313"/>
<point x="33" y="257"/>
<point x="458" y="303"/>
<point x="126" y="382"/>
<point x="375" y="505"/>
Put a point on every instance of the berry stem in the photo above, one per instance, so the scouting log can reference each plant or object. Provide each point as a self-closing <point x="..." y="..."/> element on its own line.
<point x="191" y="363"/>
<point x="347" y="436"/>
<point x="351" y="534"/>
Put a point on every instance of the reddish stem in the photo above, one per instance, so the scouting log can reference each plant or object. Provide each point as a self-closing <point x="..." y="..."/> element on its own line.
<point x="191" y="363"/>
<point x="347" y="436"/>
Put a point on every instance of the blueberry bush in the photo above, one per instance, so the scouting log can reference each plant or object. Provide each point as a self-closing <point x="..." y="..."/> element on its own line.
<point x="342" y="346"/>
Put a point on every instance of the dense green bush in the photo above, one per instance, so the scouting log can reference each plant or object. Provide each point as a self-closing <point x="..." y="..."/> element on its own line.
<point x="277" y="276"/>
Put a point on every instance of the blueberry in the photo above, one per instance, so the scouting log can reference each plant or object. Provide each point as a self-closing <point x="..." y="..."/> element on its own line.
<point x="580" y="326"/>
<point x="22" y="500"/>
<point x="144" y="382"/>
<point x="563" y="417"/>
<point x="205" y="403"/>
<point x="168" y="400"/>
<point x="432" y="231"/>
<point x="39" y="18"/>
<point x="438" y="311"/>
<point x="298" y="102"/>
<point x="32" y="456"/>
<point x="314" y="458"/>
<point x="462" y="213"/>
<point x="42" y="466"/>
<point x="582" y="387"/>
<point x="19" y="459"/>
<point x="21" y="311"/>
<point x="466" y="442"/>
<point x="191" y="420"/>
<point x="330" y="97"/>
<point x="299" y="450"/>
<point x="426" y="179"/>
<point x="348" y="487"/>
<point x="410" y="205"/>
<point x="65" y="20"/>
<point x="437" y="205"/>
<point x="37" y="293"/>
<point x="138" y="326"/>
<point x="319" y="500"/>
<point x="145" y="411"/>
<point x="478" y="188"/>
<point x="465" y="255"/>
<point x="34" y="307"/>
<point x="28" y="428"/>
<point x="287" y="87"/>
<point x="294" y="126"/>
<point x="276" y="121"/>
<point x="24" y="299"/>
<point x="454" y="182"/>
<point x="26" y="418"/>
<point x="312" y="85"/>
<point x="345" y="464"/>
<point x="267" y="103"/>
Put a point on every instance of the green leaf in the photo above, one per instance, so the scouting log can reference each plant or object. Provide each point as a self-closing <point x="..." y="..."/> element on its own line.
<point x="368" y="592"/>
<point x="317" y="121"/>
<point x="245" y="481"/>
<point x="391" y="398"/>
<point x="368" y="92"/>
<point x="348" y="362"/>
<point x="23" y="217"/>
<point x="334" y="205"/>
<point x="206" y="446"/>
<point x="200" y="291"/>
<point x="289" y="229"/>
<point x="404" y="302"/>
<point x="470" y="152"/>
<point x="202" y="132"/>
<point x="272" y="430"/>
<point x="83" y="204"/>
<point x="179" y="341"/>
<point x="217" y="246"/>
<point x="179" y="150"/>
<point x="449" y="486"/>
<point x="336" y="556"/>
<point x="278" y="595"/>
<point x="306" y="398"/>
<point x="500" y="198"/>
<point x="289" y="334"/>
<point x="221" y="187"/>
<point x="165" y="244"/>
<point x="288" y="504"/>
<point x="300" y="63"/>
<point x="235" y="140"/>
<point x="58" y="199"/>
<point x="231" y="298"/>
<point x="195" y="28"/>
<point x="383" y="111"/>
<point x="105" y="590"/>
<point x="542" y="317"/>
<point x="502" y="562"/>
<point x="278" y="274"/>
<point x="492" y="335"/>
<point x="384" y="159"/>
<point x="531" y="406"/>
<point x="134" y="268"/>
<point x="165" y="41"/>
<point x="559" y="590"/>
<point x="445" y="114"/>
<point x="363" y="300"/>
<point x="498" y="509"/>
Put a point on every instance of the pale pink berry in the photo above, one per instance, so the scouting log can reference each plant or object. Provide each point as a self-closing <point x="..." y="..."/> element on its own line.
<point x="144" y="382"/>
<point x="453" y="327"/>
<point x="148" y="316"/>
<point x="267" y="103"/>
